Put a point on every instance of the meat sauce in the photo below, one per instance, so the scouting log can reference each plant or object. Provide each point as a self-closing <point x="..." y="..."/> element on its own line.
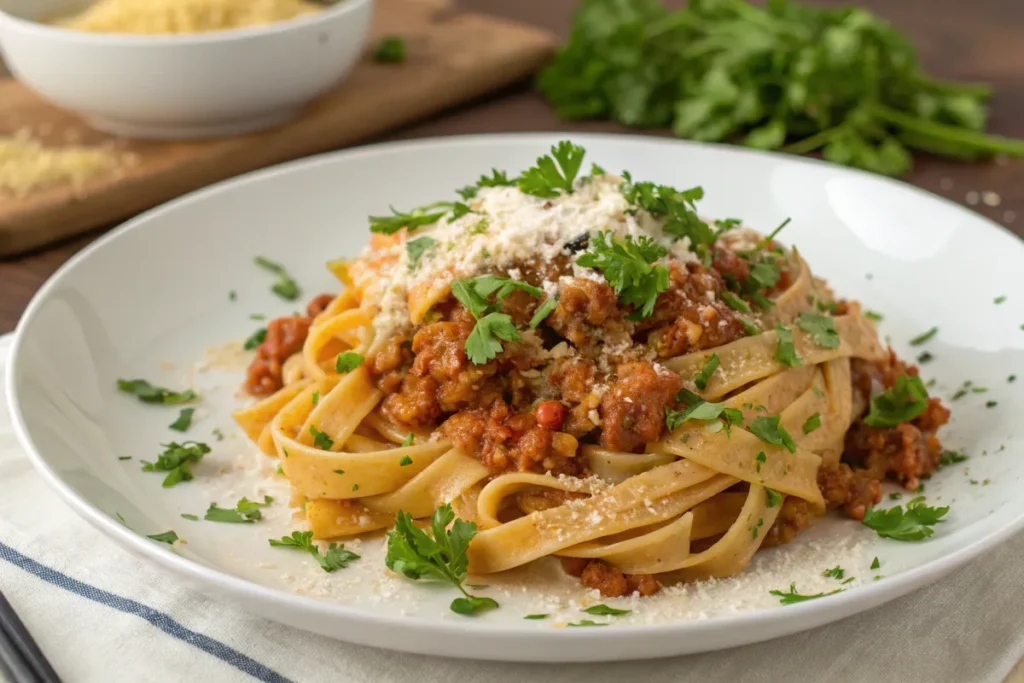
<point x="530" y="409"/>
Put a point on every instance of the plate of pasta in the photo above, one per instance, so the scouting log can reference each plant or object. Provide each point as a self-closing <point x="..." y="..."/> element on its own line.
<point x="507" y="388"/>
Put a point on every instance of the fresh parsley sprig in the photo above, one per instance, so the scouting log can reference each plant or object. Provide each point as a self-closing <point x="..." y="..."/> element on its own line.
<point x="492" y="327"/>
<point x="782" y="75"/>
<point x="627" y="265"/>
<point x="770" y="431"/>
<point x="417" y="555"/>
<point x="390" y="50"/>
<point x="336" y="557"/>
<point x="177" y="460"/>
<point x="676" y="208"/>
<point x="554" y="174"/>
<point x="912" y="524"/>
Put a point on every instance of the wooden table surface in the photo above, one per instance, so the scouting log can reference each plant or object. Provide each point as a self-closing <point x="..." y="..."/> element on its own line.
<point x="973" y="40"/>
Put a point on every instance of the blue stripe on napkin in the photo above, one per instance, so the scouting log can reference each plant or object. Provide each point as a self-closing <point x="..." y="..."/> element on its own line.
<point x="162" y="621"/>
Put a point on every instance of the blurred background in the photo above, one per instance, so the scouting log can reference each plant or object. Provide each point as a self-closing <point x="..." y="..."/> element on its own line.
<point x="434" y="67"/>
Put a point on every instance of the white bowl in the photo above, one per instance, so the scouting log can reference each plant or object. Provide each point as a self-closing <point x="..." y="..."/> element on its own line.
<point x="183" y="86"/>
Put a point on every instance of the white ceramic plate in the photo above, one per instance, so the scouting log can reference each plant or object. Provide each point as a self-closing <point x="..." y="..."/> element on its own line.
<point x="147" y="299"/>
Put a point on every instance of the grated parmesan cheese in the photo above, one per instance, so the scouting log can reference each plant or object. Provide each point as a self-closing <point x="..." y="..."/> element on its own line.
<point x="26" y="164"/>
<point x="184" y="16"/>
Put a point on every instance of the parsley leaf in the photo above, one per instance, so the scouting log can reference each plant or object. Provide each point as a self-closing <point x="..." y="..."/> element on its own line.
<point x="837" y="573"/>
<point x="405" y="461"/>
<point x="321" y="439"/>
<point x="822" y="329"/>
<point x="417" y="218"/>
<point x="543" y="311"/>
<point x="416" y="555"/>
<point x="554" y="173"/>
<point x="785" y="352"/>
<point x="336" y="557"/>
<point x="496" y="179"/>
<point x="245" y="511"/>
<point x="177" y="460"/>
<point x="948" y="457"/>
<point x="147" y="393"/>
<point x="677" y="209"/>
<point x="347" y="362"/>
<point x="417" y="247"/>
<point x="902" y="402"/>
<point x="924" y="336"/>
<point x="735" y="303"/>
<point x="875" y="564"/>
<point x="770" y="431"/>
<point x="390" y="50"/>
<point x="483" y="343"/>
<point x="710" y="365"/>
<point x="285" y="286"/>
<point x="913" y="524"/>
<point x="791" y="597"/>
<point x="255" y="339"/>
<point x="627" y="266"/>
<point x="407" y="441"/>
<point x="606" y="611"/>
<point x="168" y="537"/>
<point x="536" y="616"/>
<point x="774" y="497"/>
<point x="184" y="420"/>
<point x="812" y="423"/>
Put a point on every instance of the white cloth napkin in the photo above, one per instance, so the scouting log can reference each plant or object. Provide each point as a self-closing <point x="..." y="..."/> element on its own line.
<point x="102" y="615"/>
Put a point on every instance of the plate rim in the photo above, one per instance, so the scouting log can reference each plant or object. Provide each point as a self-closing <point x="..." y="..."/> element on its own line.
<point x="769" y="623"/>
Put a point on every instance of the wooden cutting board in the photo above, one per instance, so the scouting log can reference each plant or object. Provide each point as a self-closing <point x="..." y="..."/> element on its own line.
<point x="452" y="57"/>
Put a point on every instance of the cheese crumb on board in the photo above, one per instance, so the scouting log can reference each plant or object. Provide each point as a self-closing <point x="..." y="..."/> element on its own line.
<point x="27" y="165"/>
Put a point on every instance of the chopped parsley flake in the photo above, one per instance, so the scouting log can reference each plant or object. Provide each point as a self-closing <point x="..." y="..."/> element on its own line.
<point x="812" y="423"/>
<point x="760" y="459"/>
<point x="255" y="339"/>
<point x="390" y="50"/>
<point x="774" y="497"/>
<point x="543" y="311"/>
<point x="836" y="572"/>
<point x="320" y="439"/>
<point x="792" y="597"/>
<point x="948" y="457"/>
<point x="770" y="431"/>
<point x="735" y="303"/>
<point x="168" y="537"/>
<point x="184" y="420"/>
<point x="405" y="461"/>
<point x="902" y="402"/>
<point x="536" y="616"/>
<point x="991" y="404"/>
<point x="191" y="518"/>
<point x="785" y="352"/>
<point x="875" y="564"/>
<point x="999" y="299"/>
<point x="347" y="362"/>
<point x="245" y="512"/>
<point x="606" y="611"/>
<point x="822" y="329"/>
<point x="285" y="286"/>
<point x="417" y="247"/>
<point x="872" y="315"/>
<point x="924" y="336"/>
<point x="147" y="393"/>
<point x="710" y="365"/>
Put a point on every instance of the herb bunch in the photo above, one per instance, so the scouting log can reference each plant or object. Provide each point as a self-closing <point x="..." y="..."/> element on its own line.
<point x="786" y="76"/>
